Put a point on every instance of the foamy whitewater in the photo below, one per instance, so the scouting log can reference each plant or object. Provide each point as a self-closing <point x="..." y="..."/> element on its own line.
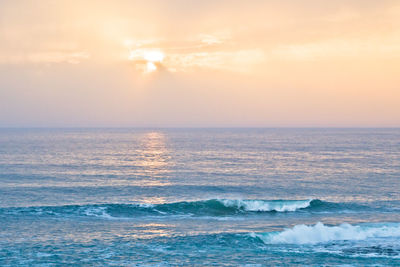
<point x="260" y="205"/>
<point x="319" y="233"/>
<point x="199" y="197"/>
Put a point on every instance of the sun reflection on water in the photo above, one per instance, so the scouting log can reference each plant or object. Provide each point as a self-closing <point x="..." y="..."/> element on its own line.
<point x="154" y="160"/>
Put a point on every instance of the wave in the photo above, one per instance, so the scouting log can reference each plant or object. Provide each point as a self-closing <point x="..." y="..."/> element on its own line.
<point x="320" y="233"/>
<point x="211" y="207"/>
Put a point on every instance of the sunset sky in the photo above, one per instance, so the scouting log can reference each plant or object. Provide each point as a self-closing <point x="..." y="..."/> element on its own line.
<point x="200" y="63"/>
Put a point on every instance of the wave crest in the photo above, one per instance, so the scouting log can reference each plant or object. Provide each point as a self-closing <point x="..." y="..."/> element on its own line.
<point x="267" y="205"/>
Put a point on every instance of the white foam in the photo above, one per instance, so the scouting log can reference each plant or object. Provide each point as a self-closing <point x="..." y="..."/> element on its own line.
<point x="97" y="212"/>
<point x="262" y="205"/>
<point x="319" y="233"/>
<point x="145" y="205"/>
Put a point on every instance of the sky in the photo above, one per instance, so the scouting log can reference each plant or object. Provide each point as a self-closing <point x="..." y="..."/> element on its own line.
<point x="209" y="63"/>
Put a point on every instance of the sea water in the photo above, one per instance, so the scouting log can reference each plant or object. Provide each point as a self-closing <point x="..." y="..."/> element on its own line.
<point x="213" y="197"/>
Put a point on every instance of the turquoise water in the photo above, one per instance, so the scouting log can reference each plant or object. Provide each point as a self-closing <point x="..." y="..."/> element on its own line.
<point x="212" y="197"/>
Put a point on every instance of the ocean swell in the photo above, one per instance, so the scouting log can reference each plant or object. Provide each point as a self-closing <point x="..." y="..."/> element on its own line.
<point x="211" y="207"/>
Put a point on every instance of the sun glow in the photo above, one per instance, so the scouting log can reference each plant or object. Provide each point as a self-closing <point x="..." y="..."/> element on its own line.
<point x="147" y="58"/>
<point x="153" y="56"/>
<point x="150" y="66"/>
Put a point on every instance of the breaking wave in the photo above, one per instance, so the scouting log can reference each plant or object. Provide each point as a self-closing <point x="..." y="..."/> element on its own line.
<point x="211" y="207"/>
<point x="320" y="233"/>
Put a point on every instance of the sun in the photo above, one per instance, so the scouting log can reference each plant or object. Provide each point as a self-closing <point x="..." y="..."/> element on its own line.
<point x="150" y="67"/>
<point x="149" y="58"/>
<point x="153" y="56"/>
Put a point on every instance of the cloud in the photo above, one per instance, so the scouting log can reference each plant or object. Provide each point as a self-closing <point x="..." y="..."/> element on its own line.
<point x="45" y="57"/>
<point x="235" y="61"/>
<point x="339" y="49"/>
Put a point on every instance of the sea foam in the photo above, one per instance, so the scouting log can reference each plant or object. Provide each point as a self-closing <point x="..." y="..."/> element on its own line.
<point x="265" y="205"/>
<point x="320" y="233"/>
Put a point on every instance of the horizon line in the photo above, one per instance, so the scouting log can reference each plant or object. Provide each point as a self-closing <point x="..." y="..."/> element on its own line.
<point x="199" y="127"/>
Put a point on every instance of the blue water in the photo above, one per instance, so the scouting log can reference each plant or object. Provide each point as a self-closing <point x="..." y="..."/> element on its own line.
<point x="212" y="197"/>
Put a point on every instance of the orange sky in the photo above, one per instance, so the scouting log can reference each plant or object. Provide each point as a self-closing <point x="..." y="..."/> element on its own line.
<point x="200" y="63"/>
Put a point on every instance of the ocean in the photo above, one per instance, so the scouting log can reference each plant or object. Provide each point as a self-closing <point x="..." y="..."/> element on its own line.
<point x="200" y="197"/>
